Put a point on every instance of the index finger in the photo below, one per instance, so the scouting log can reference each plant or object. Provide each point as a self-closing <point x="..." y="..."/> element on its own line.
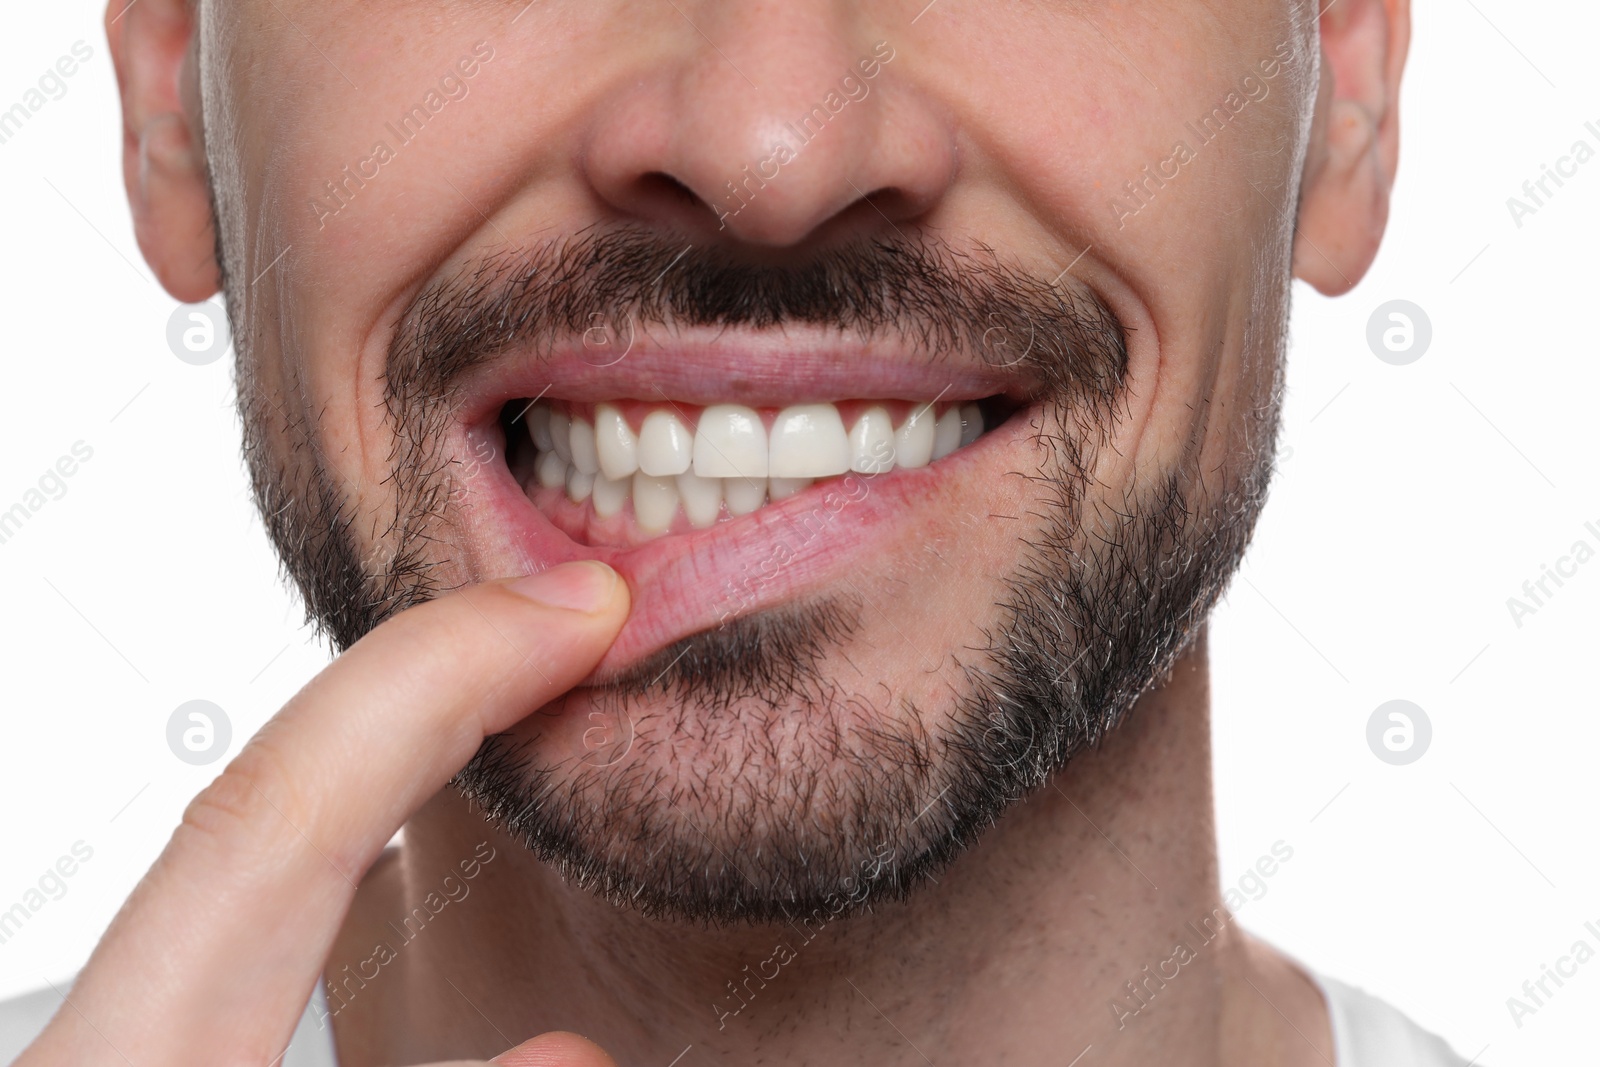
<point x="214" y="954"/>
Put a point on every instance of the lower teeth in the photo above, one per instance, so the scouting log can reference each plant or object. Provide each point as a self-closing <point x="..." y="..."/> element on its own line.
<point x="657" y="501"/>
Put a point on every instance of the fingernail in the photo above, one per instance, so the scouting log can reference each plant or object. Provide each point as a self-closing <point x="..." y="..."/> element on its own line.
<point x="582" y="586"/>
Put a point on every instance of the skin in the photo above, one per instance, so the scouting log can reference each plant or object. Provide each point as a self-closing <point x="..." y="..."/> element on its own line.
<point x="241" y="885"/>
<point x="1017" y="130"/>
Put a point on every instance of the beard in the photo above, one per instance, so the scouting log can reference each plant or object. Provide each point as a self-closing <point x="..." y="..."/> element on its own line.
<point x="748" y="775"/>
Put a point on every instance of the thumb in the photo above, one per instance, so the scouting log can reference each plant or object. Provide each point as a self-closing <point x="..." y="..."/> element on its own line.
<point x="556" y="1049"/>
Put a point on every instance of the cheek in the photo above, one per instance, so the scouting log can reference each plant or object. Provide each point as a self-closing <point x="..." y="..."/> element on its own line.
<point x="1188" y="261"/>
<point x="940" y="593"/>
<point x="362" y="191"/>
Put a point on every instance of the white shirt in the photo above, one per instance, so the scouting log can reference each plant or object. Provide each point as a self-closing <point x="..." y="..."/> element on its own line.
<point x="1367" y="1032"/>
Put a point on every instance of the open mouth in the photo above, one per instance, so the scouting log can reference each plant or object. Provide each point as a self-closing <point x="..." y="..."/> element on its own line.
<point x="620" y="473"/>
<point x="727" y="475"/>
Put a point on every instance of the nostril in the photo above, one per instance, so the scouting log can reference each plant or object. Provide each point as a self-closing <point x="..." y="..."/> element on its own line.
<point x="890" y="203"/>
<point x="663" y="185"/>
<point x="658" y="196"/>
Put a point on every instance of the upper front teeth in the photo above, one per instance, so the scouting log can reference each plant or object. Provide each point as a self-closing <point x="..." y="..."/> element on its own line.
<point x="561" y="434"/>
<point x="913" y="442"/>
<point x="582" y="446"/>
<point x="729" y="457"/>
<point x="664" y="447"/>
<point x="731" y="442"/>
<point x="615" y="440"/>
<point x="872" y="442"/>
<point x="808" y="441"/>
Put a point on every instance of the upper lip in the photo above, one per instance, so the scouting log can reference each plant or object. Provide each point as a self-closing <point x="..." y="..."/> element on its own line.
<point x="704" y="367"/>
<point x="682" y="582"/>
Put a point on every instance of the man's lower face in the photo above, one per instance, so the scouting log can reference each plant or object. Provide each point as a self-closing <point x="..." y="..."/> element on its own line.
<point x="882" y="584"/>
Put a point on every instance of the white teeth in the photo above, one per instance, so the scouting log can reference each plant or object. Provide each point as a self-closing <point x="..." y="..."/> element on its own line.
<point x="665" y="445"/>
<point x="551" y="471"/>
<point x="947" y="433"/>
<point x="913" y="442"/>
<point x="730" y="443"/>
<point x="615" y="442"/>
<point x="872" y="443"/>
<point x="784" y="488"/>
<point x="744" y="495"/>
<point x="971" y="424"/>
<point x="561" y="435"/>
<point x="584" y="456"/>
<point x="808" y="441"/>
<point x="655" y="501"/>
<point x="610" y="494"/>
<point x="702" y="498"/>
<point x="539" y="427"/>
<point x="730" y="460"/>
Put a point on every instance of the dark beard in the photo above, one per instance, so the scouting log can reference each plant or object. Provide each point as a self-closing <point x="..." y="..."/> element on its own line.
<point x="822" y="803"/>
<point x="865" y="809"/>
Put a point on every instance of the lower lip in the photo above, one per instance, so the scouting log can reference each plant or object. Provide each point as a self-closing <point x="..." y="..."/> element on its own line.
<point x="683" y="584"/>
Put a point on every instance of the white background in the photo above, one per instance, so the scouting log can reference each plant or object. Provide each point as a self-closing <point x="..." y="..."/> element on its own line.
<point x="1411" y="502"/>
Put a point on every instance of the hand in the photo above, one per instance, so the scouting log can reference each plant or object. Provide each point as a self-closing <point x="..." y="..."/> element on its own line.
<point x="213" y="956"/>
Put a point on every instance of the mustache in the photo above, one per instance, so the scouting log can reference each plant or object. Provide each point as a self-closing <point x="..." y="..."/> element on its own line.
<point x="1058" y="337"/>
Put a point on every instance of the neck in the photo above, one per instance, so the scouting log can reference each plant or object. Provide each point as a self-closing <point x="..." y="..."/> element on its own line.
<point x="1060" y="930"/>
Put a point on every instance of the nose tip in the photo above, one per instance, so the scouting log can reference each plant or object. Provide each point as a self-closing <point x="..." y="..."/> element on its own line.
<point x="770" y="138"/>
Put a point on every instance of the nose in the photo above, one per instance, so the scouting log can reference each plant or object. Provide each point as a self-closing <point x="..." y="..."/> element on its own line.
<point x="771" y="123"/>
